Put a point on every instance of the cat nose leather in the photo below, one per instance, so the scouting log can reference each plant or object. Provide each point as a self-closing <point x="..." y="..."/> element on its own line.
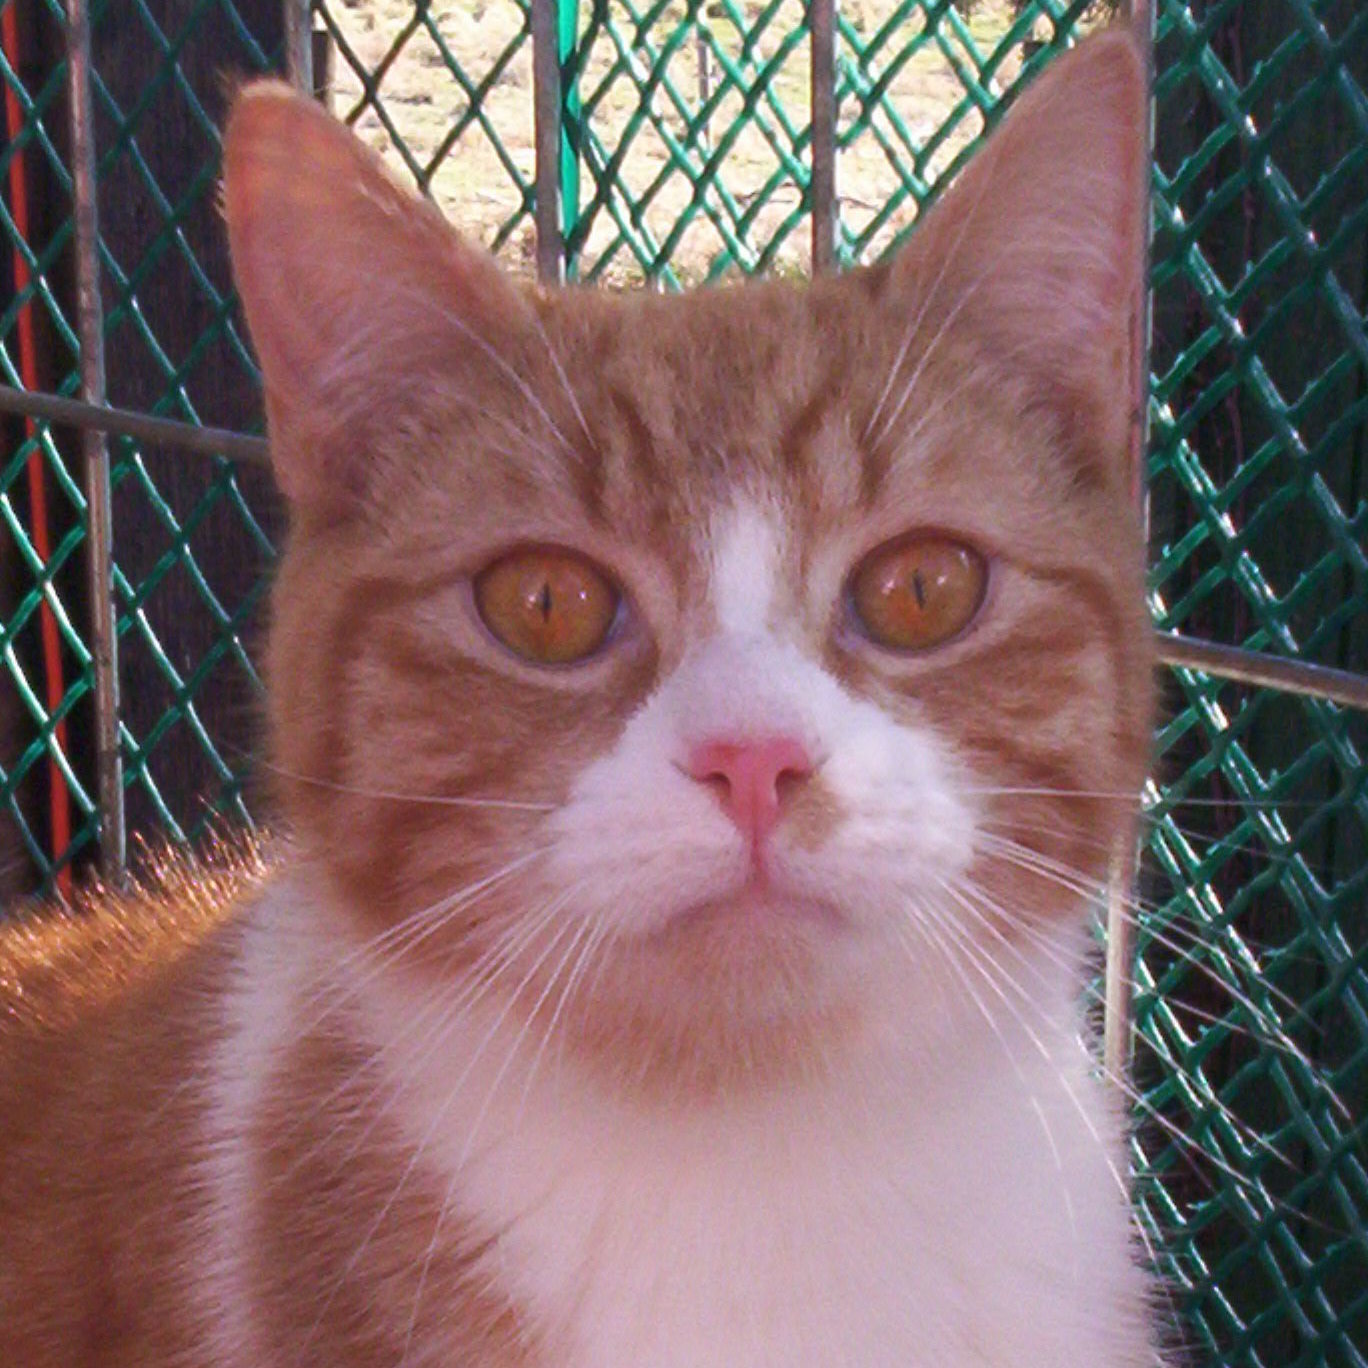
<point x="748" y="776"/>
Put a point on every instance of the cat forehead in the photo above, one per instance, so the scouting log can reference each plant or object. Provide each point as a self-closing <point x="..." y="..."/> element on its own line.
<point x="718" y="362"/>
<point x="682" y="425"/>
<point x="746" y="543"/>
<point x="697" y="405"/>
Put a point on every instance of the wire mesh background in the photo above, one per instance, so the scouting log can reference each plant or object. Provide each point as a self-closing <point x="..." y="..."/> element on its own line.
<point x="685" y="138"/>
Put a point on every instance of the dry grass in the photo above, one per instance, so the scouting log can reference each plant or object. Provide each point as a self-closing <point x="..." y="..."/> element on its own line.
<point x="425" y="103"/>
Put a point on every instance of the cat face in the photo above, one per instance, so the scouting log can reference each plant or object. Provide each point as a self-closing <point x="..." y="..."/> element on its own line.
<point x="721" y="678"/>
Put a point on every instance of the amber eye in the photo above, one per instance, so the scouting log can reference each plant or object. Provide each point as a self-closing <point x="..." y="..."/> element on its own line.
<point x="918" y="592"/>
<point x="551" y="607"/>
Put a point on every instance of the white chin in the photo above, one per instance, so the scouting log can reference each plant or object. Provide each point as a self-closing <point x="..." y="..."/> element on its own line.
<point x="759" y="908"/>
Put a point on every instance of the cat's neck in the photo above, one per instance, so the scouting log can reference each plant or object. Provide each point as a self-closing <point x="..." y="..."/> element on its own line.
<point x="605" y="1197"/>
<point x="309" y="967"/>
<point x="587" y="1189"/>
<point x="464" y="1079"/>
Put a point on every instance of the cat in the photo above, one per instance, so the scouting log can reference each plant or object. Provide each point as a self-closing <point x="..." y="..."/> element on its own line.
<point x="680" y="708"/>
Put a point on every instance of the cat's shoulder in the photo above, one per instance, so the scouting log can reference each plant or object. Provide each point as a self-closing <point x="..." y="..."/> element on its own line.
<point x="109" y="1010"/>
<point x="64" y="966"/>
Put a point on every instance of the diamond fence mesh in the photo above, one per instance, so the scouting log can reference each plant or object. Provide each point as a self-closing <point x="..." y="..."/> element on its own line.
<point x="684" y="147"/>
<point x="1254" y="992"/>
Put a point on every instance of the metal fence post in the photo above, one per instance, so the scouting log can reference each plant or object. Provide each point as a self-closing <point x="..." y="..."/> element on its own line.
<point x="567" y="38"/>
<point x="95" y="451"/>
<point x="298" y="16"/>
<point x="822" y="28"/>
<point x="1118" y="1020"/>
<point x="547" y="107"/>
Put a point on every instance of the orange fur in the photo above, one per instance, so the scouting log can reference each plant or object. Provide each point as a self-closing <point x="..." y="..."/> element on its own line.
<point x="107" y="1013"/>
<point x="426" y="414"/>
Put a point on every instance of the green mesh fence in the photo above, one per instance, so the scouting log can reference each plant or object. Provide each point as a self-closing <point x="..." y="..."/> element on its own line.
<point x="159" y="566"/>
<point x="685" y="140"/>
<point x="1255" y="1005"/>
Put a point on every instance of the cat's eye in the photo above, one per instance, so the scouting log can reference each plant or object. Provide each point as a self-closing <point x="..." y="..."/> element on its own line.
<point x="918" y="592"/>
<point x="549" y="606"/>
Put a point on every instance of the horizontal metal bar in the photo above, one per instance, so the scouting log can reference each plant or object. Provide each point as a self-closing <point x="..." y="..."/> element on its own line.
<point x="1256" y="668"/>
<point x="1264" y="671"/>
<point x="142" y="427"/>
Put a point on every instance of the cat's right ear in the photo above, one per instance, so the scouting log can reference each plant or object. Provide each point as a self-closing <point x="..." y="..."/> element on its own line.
<point x="1037" y="250"/>
<point x="348" y="281"/>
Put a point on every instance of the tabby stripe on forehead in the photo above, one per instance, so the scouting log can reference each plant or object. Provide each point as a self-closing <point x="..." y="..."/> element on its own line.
<point x="642" y="454"/>
<point x="796" y="443"/>
<point x="589" y="477"/>
<point x="876" y="460"/>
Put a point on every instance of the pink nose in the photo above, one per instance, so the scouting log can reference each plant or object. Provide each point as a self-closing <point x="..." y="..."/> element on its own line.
<point x="748" y="777"/>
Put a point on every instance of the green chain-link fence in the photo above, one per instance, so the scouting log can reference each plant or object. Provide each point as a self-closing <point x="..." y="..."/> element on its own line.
<point x="679" y="142"/>
<point x="1255" y="1010"/>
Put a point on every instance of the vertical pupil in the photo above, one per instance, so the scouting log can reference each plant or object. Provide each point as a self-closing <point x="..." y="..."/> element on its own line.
<point x="544" y="601"/>
<point x="918" y="589"/>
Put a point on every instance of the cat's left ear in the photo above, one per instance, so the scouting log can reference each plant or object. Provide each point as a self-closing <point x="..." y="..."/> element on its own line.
<point x="1037" y="251"/>
<point x="354" y="289"/>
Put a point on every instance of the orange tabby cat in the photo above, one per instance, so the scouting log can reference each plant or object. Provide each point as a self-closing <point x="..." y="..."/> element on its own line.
<point x="683" y="708"/>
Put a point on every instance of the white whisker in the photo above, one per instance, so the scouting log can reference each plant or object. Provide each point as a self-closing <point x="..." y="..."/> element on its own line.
<point x="1074" y="882"/>
<point x="965" y="896"/>
<point x="598" y="934"/>
<point x="948" y="258"/>
<point x="564" y="380"/>
<point x="437" y="1122"/>
<point x="401" y="937"/>
<point x="953" y="959"/>
<point x="443" y="1014"/>
<point x="502" y="364"/>
<point x="583" y="931"/>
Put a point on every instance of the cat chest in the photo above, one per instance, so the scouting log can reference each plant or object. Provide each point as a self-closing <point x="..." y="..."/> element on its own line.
<point x="685" y="1271"/>
<point x="631" y="1257"/>
<point x="970" y="1220"/>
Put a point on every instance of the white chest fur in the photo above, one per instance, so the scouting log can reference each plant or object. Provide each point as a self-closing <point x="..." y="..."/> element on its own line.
<point x="967" y="1213"/>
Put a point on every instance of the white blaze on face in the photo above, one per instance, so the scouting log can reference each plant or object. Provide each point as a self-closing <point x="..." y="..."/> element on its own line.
<point x="642" y="842"/>
<point x="747" y="543"/>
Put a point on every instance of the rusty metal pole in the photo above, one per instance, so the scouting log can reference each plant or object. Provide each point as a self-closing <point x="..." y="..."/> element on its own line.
<point x="298" y="17"/>
<point x="95" y="452"/>
<point x="822" y="28"/>
<point x="546" y="94"/>
<point x="1119" y="1005"/>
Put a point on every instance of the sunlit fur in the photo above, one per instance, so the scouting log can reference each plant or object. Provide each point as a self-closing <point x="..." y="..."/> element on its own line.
<point x="511" y="1062"/>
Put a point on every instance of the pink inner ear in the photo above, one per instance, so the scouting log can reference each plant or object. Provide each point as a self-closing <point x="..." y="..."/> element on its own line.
<point x="1036" y="254"/>
<point x="1040" y="243"/>
<point x="311" y="253"/>
<point x="341" y="273"/>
